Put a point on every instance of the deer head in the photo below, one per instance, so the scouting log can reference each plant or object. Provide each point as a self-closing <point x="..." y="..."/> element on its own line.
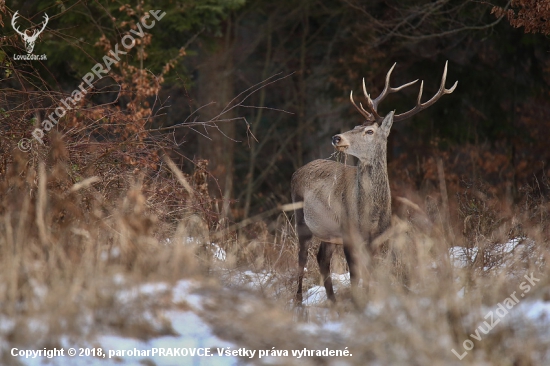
<point x="365" y="141"/>
<point x="369" y="140"/>
<point x="29" y="40"/>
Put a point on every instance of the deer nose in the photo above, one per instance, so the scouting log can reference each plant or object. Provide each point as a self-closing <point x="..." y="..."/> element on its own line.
<point x="336" y="139"/>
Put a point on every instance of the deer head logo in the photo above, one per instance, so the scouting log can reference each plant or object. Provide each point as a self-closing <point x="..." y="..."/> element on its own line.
<point x="29" y="40"/>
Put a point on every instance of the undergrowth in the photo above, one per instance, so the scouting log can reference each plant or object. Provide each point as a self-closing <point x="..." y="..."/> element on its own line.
<point x="71" y="252"/>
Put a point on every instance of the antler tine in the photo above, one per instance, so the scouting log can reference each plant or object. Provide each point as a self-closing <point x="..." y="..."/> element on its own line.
<point x="388" y="89"/>
<point x="419" y="105"/>
<point x="384" y="93"/>
<point x="367" y="115"/>
<point x="370" y="103"/>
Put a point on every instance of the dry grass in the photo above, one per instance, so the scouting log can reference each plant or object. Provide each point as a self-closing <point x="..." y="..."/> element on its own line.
<point x="69" y="254"/>
<point x="66" y="254"/>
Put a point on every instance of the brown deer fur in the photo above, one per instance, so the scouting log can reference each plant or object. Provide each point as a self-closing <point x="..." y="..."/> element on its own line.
<point x="350" y="205"/>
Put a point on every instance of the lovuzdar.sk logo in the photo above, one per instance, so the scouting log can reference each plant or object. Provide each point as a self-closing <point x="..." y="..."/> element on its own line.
<point x="29" y="40"/>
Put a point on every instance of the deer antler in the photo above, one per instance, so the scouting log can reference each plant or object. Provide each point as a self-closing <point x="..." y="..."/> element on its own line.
<point x="15" y="16"/>
<point x="419" y="105"/>
<point x="371" y="113"/>
<point x="372" y="105"/>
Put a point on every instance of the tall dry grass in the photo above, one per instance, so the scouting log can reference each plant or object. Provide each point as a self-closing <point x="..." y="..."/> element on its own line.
<point x="432" y="289"/>
<point x="70" y="252"/>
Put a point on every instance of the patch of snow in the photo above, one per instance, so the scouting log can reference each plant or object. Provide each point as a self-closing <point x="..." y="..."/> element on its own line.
<point x="218" y="252"/>
<point x="375" y="309"/>
<point x="119" y="279"/>
<point x="254" y="280"/>
<point x="6" y="324"/>
<point x="115" y="252"/>
<point x="153" y="288"/>
<point x="335" y="327"/>
<point x="341" y="279"/>
<point x="40" y="291"/>
<point x="315" y="296"/>
<point x="192" y="333"/>
<point x="535" y="310"/>
<point x="462" y="257"/>
<point x="182" y="292"/>
<point x="130" y="294"/>
<point x="509" y="246"/>
<point x="502" y="255"/>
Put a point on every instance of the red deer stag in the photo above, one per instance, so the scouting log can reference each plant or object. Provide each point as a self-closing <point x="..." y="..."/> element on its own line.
<point x="350" y="205"/>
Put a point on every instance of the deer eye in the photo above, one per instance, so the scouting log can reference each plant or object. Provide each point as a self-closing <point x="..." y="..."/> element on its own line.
<point x="368" y="131"/>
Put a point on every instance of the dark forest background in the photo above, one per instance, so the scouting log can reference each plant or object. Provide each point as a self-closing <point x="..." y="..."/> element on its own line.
<point x="240" y="93"/>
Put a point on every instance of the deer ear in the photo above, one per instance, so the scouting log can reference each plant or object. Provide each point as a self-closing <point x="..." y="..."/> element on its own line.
<point x="387" y="123"/>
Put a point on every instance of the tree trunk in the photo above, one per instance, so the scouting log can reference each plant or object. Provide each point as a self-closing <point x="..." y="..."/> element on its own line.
<point x="215" y="84"/>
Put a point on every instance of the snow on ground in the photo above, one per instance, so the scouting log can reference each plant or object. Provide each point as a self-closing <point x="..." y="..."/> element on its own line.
<point x="503" y="255"/>
<point x="462" y="257"/>
<point x="317" y="295"/>
<point x="192" y="333"/>
<point x="536" y="310"/>
<point x="217" y="252"/>
<point x="252" y="280"/>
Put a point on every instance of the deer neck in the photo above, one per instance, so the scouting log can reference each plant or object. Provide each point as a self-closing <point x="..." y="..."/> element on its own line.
<point x="373" y="169"/>
<point x="373" y="192"/>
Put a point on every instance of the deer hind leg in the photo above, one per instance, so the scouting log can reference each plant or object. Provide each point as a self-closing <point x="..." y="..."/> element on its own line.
<point x="304" y="235"/>
<point x="323" y="258"/>
<point x="399" y="270"/>
<point x="350" y="258"/>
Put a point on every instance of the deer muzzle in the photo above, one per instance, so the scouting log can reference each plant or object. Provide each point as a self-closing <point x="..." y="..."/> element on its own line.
<point x="339" y="142"/>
